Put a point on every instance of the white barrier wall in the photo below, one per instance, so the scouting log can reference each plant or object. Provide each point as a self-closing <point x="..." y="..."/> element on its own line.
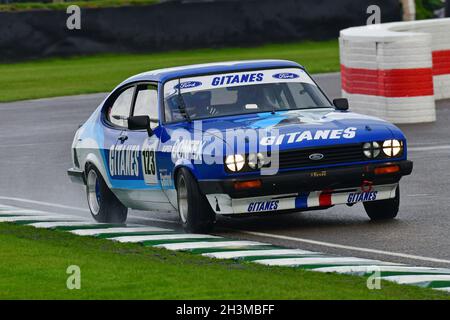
<point x="397" y="70"/>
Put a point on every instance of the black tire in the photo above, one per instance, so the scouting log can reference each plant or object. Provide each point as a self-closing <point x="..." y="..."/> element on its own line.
<point x="196" y="214"/>
<point x="103" y="204"/>
<point x="383" y="209"/>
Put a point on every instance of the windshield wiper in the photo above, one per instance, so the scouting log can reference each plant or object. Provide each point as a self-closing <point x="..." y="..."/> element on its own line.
<point x="182" y="104"/>
<point x="273" y="109"/>
<point x="314" y="107"/>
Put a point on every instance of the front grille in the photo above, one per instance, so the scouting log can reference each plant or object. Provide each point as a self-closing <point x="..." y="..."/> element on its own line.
<point x="331" y="155"/>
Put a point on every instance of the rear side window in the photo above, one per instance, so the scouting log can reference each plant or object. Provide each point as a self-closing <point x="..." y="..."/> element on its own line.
<point x="147" y="103"/>
<point x="120" y="110"/>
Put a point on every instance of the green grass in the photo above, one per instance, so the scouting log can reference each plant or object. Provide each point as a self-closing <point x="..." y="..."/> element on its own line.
<point x="425" y="8"/>
<point x="34" y="262"/>
<point x="24" y="6"/>
<point x="78" y="75"/>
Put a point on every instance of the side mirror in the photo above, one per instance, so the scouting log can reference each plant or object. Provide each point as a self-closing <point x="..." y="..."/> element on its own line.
<point x="140" y="123"/>
<point x="341" y="104"/>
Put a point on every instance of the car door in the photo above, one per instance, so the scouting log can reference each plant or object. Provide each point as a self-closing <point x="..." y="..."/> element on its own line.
<point x="117" y="111"/>
<point x="143" y="190"/>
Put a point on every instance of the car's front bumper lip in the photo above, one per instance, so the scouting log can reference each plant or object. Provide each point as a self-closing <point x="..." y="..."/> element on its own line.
<point x="76" y="175"/>
<point x="302" y="201"/>
<point x="309" y="180"/>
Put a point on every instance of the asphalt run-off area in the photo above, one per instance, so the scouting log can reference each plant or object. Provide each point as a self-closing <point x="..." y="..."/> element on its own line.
<point x="35" y="154"/>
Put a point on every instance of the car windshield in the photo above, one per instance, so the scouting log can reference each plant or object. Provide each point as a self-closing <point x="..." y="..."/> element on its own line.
<point x="241" y="93"/>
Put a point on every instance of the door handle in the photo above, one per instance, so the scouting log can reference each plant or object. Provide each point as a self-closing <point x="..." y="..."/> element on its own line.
<point x="122" y="139"/>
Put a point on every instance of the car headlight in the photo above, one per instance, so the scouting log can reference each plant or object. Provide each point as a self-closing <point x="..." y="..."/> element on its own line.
<point x="256" y="160"/>
<point x="235" y="162"/>
<point x="392" y="148"/>
<point x="371" y="149"/>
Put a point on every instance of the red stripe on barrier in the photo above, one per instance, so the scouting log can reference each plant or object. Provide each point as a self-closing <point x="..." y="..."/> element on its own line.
<point x="388" y="83"/>
<point x="325" y="199"/>
<point x="441" y="62"/>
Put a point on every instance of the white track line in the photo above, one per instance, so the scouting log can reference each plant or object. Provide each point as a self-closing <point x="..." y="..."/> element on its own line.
<point x="316" y="261"/>
<point x="410" y="279"/>
<point x="254" y="253"/>
<point x="40" y="218"/>
<point x="340" y="246"/>
<point x="49" y="204"/>
<point x="206" y="245"/>
<point x="55" y="205"/>
<point x="371" y="268"/>
<point x="162" y="237"/>
<point x="64" y="224"/>
<point x="2" y="207"/>
<point x="443" y="289"/>
<point x="261" y="234"/>
<point x="23" y="212"/>
<point x="94" y="232"/>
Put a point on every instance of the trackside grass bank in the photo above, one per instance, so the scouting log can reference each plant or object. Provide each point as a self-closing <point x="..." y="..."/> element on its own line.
<point x="24" y="6"/>
<point x="90" y="74"/>
<point x="34" y="263"/>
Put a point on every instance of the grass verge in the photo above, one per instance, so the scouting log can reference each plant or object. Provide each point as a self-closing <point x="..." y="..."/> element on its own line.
<point x="90" y="74"/>
<point x="25" y="6"/>
<point x="34" y="262"/>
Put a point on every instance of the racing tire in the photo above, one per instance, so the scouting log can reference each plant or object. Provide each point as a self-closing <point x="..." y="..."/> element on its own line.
<point x="194" y="210"/>
<point x="383" y="209"/>
<point x="103" y="204"/>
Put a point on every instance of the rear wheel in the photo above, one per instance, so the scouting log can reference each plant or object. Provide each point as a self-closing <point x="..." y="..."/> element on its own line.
<point x="195" y="212"/>
<point x="383" y="209"/>
<point x="103" y="204"/>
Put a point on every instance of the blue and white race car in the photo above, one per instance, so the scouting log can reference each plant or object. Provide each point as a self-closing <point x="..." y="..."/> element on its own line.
<point x="234" y="138"/>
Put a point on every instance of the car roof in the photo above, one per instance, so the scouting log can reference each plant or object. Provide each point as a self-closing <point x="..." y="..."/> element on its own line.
<point x="162" y="75"/>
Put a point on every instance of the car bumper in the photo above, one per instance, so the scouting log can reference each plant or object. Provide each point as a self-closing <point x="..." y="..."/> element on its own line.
<point x="305" y="181"/>
<point x="225" y="205"/>
<point x="306" y="189"/>
<point x="76" y="175"/>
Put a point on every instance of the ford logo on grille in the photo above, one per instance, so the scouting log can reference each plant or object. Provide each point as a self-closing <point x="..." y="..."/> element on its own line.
<point x="316" y="156"/>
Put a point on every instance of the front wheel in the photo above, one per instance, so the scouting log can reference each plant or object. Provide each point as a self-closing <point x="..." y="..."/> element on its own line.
<point x="103" y="204"/>
<point x="383" y="209"/>
<point x="195" y="212"/>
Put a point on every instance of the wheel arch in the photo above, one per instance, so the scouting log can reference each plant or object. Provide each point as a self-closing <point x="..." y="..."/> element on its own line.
<point x="186" y="165"/>
<point x="92" y="160"/>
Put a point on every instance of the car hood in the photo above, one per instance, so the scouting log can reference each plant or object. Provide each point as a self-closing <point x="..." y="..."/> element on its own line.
<point x="304" y="128"/>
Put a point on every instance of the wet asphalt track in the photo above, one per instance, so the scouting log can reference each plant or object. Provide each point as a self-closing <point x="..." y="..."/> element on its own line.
<point x="35" y="153"/>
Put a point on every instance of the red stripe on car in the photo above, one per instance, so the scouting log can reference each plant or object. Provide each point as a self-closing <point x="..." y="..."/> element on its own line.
<point x="325" y="198"/>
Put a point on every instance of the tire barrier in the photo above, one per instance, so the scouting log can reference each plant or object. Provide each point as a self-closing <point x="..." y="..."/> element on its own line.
<point x="397" y="70"/>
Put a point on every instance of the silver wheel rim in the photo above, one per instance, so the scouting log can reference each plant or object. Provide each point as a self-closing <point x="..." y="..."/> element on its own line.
<point x="93" y="192"/>
<point x="182" y="199"/>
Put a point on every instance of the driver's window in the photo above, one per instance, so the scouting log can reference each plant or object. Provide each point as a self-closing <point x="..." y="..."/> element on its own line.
<point x="301" y="95"/>
<point x="147" y="103"/>
<point x="120" y="110"/>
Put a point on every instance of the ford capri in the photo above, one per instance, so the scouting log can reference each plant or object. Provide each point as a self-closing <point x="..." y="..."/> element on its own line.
<point x="234" y="138"/>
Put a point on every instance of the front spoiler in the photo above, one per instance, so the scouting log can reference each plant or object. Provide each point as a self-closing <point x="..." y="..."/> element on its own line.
<point x="308" y="180"/>
<point x="76" y="175"/>
<point x="225" y="205"/>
